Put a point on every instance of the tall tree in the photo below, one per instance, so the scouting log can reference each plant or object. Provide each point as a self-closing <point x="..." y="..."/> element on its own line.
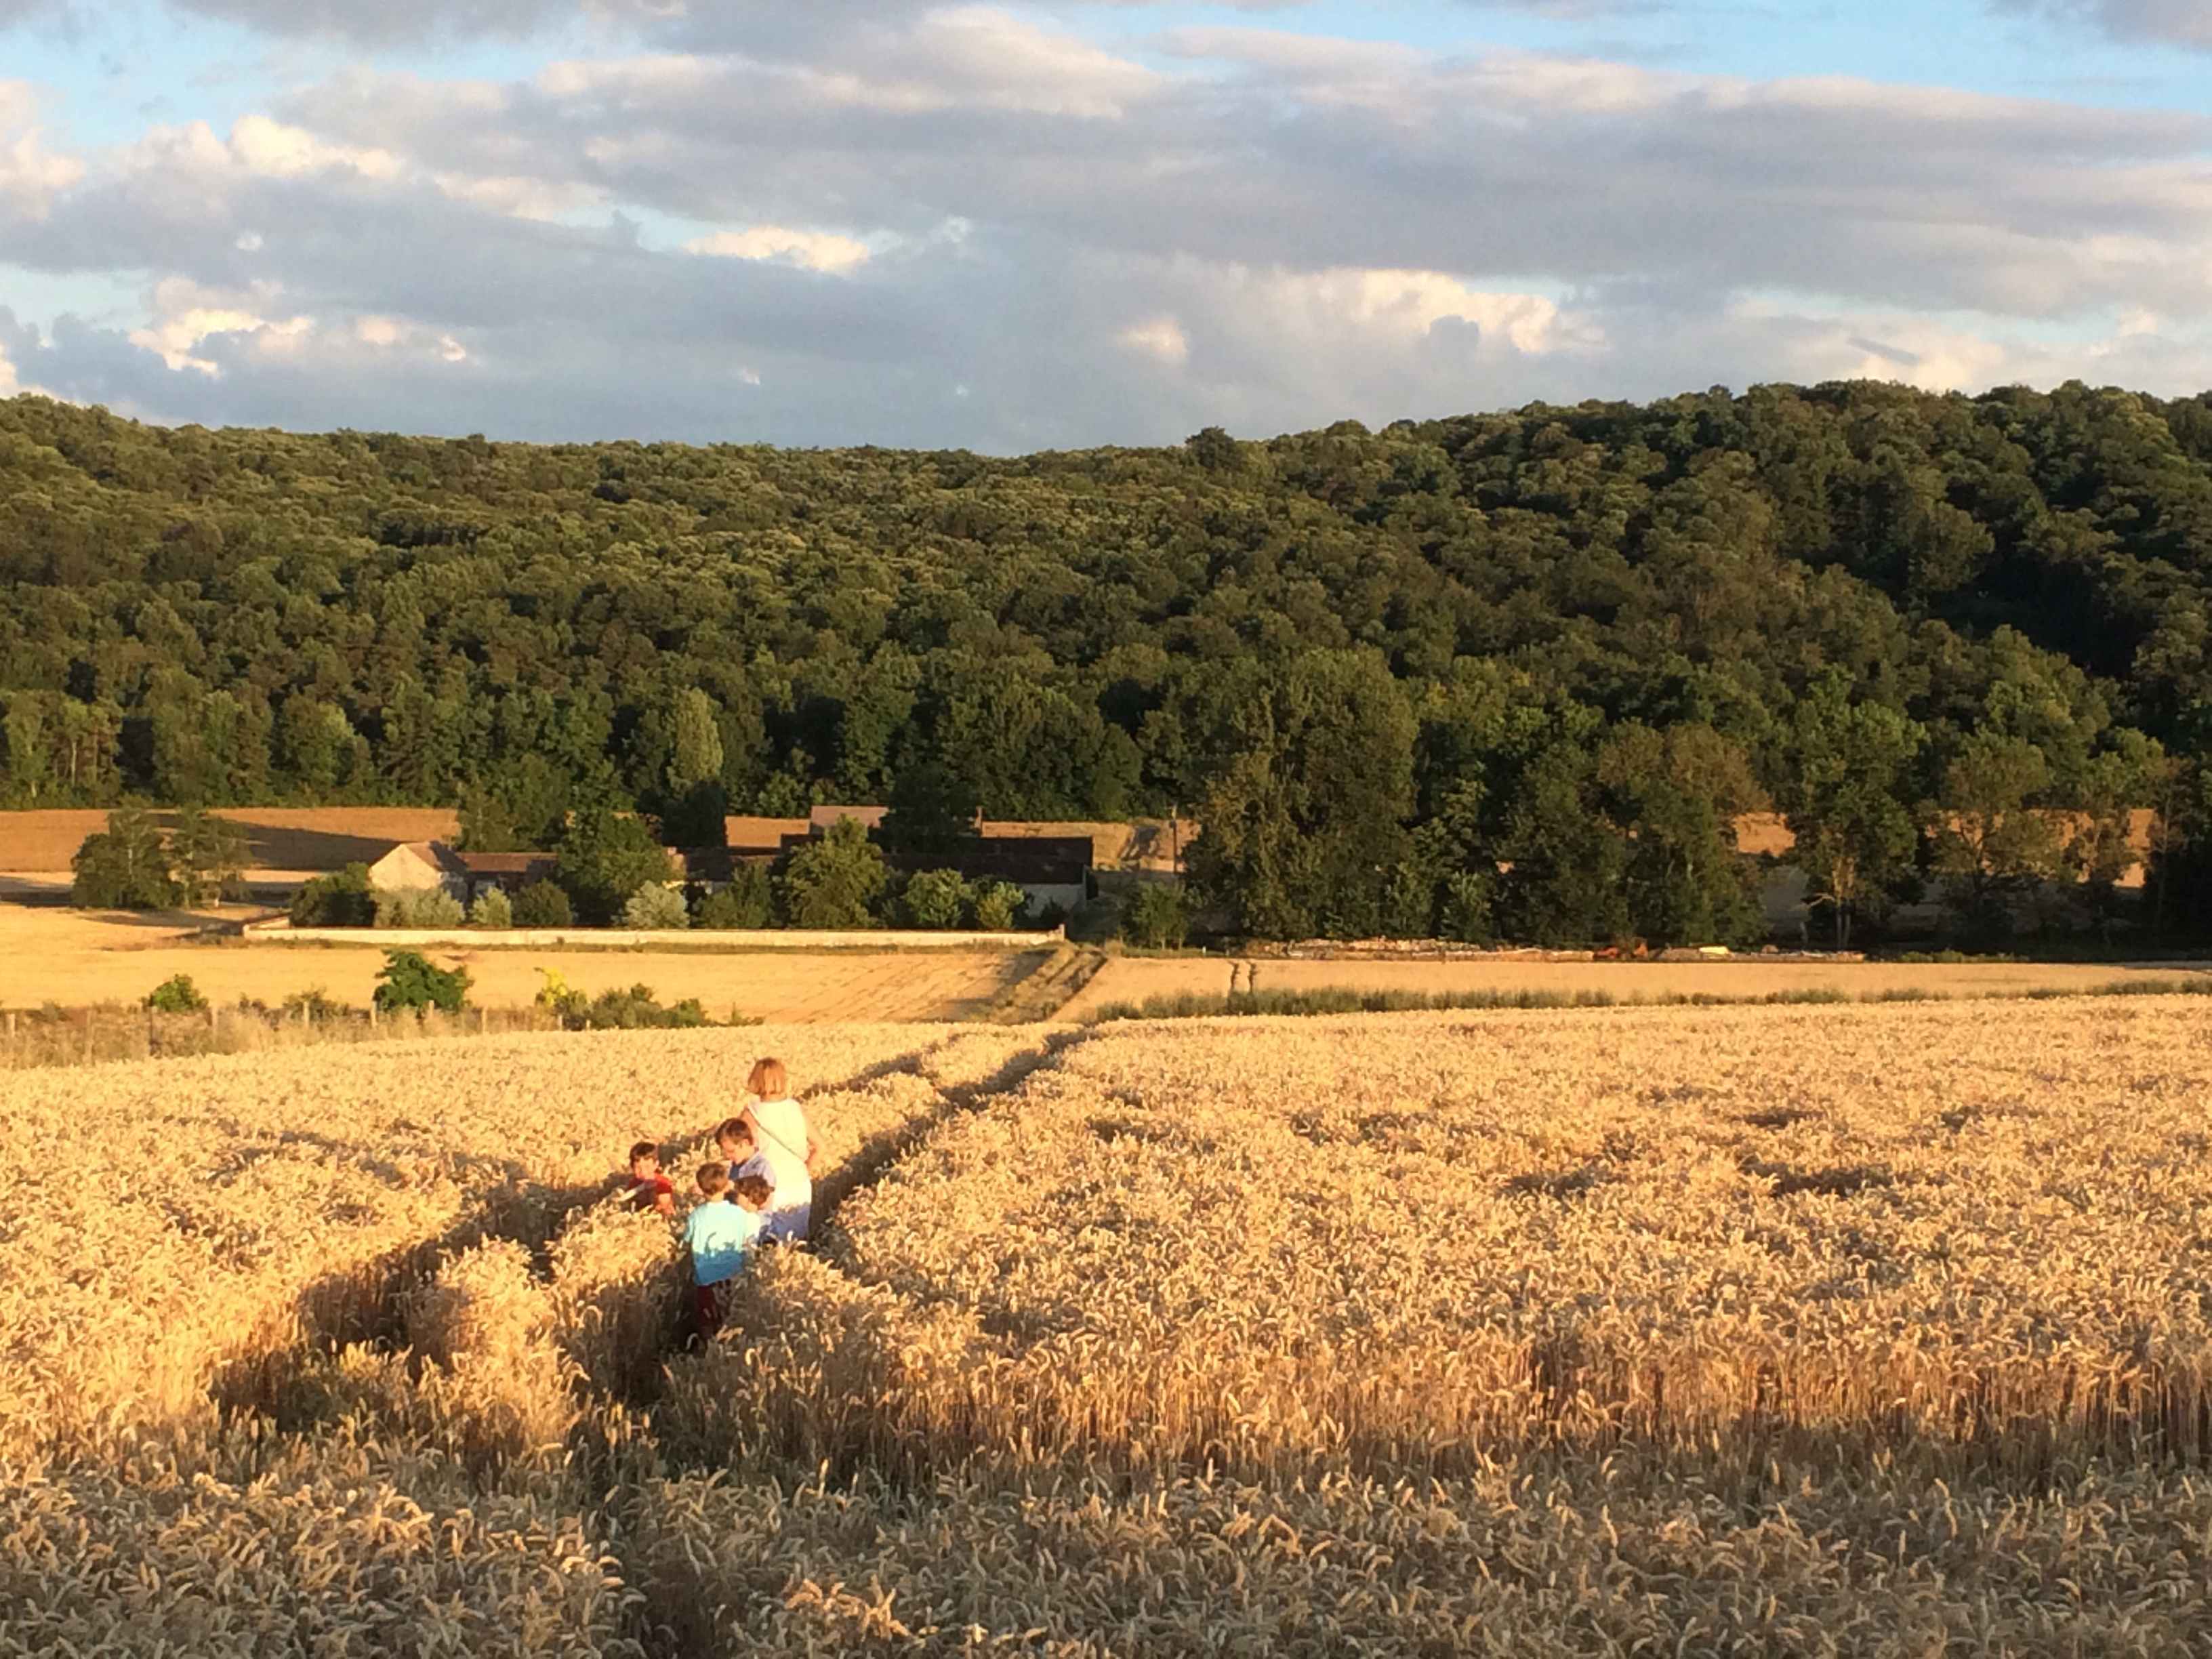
<point x="1854" y="837"/>
<point x="836" y="879"/>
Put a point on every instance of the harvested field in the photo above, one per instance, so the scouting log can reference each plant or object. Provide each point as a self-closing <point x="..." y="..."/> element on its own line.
<point x="281" y="840"/>
<point x="1868" y="1331"/>
<point x="1136" y="979"/>
<point x="73" y="959"/>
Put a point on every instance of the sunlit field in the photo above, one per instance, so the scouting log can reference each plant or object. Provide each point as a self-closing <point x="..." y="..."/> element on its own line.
<point x="1865" y="1330"/>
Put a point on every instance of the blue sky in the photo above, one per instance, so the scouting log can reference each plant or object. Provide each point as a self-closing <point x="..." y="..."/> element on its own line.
<point x="1009" y="225"/>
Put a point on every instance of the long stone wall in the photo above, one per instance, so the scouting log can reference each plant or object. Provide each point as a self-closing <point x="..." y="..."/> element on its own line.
<point x="281" y="931"/>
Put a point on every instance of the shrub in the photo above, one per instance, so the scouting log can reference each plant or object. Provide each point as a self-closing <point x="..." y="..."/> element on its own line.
<point x="125" y="867"/>
<point x="177" y="996"/>
<point x="344" y="900"/>
<point x="425" y="908"/>
<point x="410" y="980"/>
<point x="637" y="1010"/>
<point x="492" y="911"/>
<point x="935" y="898"/>
<point x="1156" y="917"/>
<point x="744" y="903"/>
<point x="834" y="881"/>
<point x="656" y="908"/>
<point x="316" y="1006"/>
<point x="634" y="1010"/>
<point x="996" y="904"/>
<point x="541" y="904"/>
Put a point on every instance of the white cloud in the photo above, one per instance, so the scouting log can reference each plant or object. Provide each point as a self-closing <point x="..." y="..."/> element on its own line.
<point x="814" y="249"/>
<point x="1266" y="230"/>
<point x="185" y="316"/>
<point x="30" y="175"/>
<point x="1161" y="338"/>
<point x="278" y="151"/>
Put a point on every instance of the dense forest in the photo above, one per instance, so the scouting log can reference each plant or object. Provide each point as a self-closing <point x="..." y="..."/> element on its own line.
<point x="1954" y="640"/>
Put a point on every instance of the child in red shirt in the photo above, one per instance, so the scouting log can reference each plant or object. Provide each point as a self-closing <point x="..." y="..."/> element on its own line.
<point x="649" y="1189"/>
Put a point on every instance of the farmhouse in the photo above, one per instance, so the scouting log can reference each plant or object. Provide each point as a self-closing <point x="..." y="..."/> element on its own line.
<point x="417" y="865"/>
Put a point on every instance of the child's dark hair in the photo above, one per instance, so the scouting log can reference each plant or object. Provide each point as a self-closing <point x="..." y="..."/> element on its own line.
<point x="733" y="1128"/>
<point x="645" y="1149"/>
<point x="752" y="1191"/>
<point x="713" y="1178"/>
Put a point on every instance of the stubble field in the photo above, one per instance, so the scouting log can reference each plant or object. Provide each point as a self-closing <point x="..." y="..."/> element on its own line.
<point x="1873" y="1330"/>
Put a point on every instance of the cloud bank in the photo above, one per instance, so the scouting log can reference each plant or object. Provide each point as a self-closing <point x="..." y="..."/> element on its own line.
<point x="968" y="224"/>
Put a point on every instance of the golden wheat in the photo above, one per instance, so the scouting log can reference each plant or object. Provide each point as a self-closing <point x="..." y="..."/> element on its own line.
<point x="1417" y="1238"/>
<point x="1866" y="1331"/>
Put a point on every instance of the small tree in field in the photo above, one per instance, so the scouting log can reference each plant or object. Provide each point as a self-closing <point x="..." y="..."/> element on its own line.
<point x="125" y="867"/>
<point x="209" y="855"/>
<point x="177" y="996"/>
<point x="656" y="908"/>
<point x="412" y="981"/>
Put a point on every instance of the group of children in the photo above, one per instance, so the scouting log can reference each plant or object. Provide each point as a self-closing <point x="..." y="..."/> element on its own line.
<point x="758" y="1190"/>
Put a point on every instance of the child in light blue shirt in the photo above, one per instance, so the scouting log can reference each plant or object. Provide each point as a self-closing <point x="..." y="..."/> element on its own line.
<point x="720" y="1233"/>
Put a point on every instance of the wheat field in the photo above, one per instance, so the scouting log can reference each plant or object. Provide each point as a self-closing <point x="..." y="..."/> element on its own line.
<point x="76" y="959"/>
<point x="1867" y="1330"/>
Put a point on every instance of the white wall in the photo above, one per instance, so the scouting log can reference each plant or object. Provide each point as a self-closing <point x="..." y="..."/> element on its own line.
<point x="735" y="939"/>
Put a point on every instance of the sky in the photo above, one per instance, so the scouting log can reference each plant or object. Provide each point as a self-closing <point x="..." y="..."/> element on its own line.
<point x="1011" y="226"/>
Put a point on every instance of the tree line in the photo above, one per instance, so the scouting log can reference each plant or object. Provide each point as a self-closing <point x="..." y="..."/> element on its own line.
<point x="1500" y="675"/>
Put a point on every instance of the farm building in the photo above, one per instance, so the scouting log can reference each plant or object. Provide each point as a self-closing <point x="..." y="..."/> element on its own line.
<point x="417" y="865"/>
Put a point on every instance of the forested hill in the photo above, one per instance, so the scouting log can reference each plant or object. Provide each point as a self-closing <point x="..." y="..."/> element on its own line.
<point x="1402" y="651"/>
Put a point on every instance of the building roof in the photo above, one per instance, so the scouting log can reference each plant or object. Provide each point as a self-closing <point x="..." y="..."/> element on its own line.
<point x="823" y="816"/>
<point x="746" y="835"/>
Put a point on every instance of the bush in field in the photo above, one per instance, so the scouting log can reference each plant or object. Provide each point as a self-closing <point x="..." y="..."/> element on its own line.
<point x="428" y="908"/>
<point x="935" y="898"/>
<point x="125" y="867"/>
<point x="1156" y="917"/>
<point x="317" y="1007"/>
<point x="637" y="1010"/>
<point x="634" y="1010"/>
<point x="745" y="902"/>
<point x="492" y="911"/>
<point x="412" y="981"/>
<point x="177" y="996"/>
<point x="656" y="908"/>
<point x="997" y="903"/>
<point x="344" y="900"/>
<point x="541" y="904"/>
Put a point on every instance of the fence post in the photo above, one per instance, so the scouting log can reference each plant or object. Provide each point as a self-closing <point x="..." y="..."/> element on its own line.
<point x="372" y="1014"/>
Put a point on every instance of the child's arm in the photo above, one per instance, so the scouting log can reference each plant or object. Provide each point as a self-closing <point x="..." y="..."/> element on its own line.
<point x="664" y="1200"/>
